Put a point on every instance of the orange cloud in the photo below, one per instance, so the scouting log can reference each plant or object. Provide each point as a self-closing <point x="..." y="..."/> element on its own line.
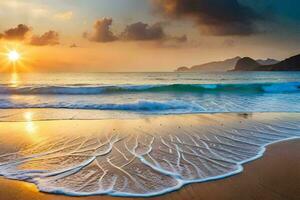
<point x="23" y="33"/>
<point x="17" y="33"/>
<point x="48" y="38"/>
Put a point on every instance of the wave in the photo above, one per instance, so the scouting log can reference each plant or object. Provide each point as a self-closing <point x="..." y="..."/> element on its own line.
<point x="140" y="105"/>
<point x="192" y="88"/>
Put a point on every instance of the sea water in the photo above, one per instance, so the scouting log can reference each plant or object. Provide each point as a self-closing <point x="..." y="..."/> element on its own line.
<point x="152" y="146"/>
<point x="154" y="93"/>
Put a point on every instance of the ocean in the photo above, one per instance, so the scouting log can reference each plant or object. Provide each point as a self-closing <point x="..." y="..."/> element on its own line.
<point x="125" y="94"/>
<point x="140" y="134"/>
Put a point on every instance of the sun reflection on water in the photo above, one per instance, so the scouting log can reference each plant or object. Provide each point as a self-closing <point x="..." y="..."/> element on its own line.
<point x="14" y="81"/>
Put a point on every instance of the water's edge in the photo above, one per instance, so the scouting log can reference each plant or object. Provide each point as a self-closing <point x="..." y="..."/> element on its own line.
<point x="43" y="187"/>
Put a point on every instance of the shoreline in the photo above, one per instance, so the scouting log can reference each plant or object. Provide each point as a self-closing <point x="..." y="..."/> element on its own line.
<point x="282" y="156"/>
<point x="66" y="114"/>
<point x="33" y="132"/>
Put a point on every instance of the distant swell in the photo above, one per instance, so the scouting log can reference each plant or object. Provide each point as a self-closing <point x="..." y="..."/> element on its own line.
<point x="192" y="88"/>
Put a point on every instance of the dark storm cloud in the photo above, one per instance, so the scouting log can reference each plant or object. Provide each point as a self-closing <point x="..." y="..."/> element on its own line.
<point x="48" y="38"/>
<point x="101" y="31"/>
<point x="216" y="17"/>
<point x="16" y="33"/>
<point x="143" y="31"/>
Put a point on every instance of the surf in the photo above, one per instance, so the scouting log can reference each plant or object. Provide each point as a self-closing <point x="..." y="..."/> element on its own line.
<point x="154" y="88"/>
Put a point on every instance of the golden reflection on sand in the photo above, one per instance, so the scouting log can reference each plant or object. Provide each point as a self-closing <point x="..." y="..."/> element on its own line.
<point x="31" y="127"/>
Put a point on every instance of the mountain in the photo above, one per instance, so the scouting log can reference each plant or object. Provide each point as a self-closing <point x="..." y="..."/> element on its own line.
<point x="246" y="64"/>
<point x="220" y="66"/>
<point x="268" y="61"/>
<point x="182" y="69"/>
<point x="216" y="66"/>
<point x="249" y="64"/>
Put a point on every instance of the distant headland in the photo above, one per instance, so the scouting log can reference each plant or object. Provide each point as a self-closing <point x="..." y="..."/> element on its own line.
<point x="249" y="64"/>
<point x="246" y="64"/>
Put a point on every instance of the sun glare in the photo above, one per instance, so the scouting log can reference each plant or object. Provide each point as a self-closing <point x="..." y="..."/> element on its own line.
<point x="13" y="56"/>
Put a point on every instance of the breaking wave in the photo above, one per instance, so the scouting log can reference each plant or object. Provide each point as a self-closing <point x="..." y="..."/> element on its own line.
<point x="193" y="88"/>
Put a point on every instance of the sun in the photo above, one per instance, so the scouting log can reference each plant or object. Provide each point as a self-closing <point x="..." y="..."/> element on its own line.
<point x="13" y="56"/>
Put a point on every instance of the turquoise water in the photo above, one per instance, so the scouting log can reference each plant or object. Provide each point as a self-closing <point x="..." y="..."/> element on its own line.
<point x="154" y="93"/>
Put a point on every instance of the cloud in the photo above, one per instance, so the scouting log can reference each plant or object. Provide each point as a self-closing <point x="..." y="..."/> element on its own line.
<point x="17" y="33"/>
<point x="215" y="17"/>
<point x="138" y="31"/>
<point x="48" y="38"/>
<point x="180" y="39"/>
<point x="24" y="34"/>
<point x="65" y="16"/>
<point x="101" y="31"/>
<point x="73" y="45"/>
<point x="143" y="31"/>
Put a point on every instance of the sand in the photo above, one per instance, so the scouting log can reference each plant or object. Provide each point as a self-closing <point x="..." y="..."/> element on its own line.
<point x="274" y="176"/>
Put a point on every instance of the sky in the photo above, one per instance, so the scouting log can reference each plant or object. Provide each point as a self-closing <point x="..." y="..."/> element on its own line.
<point x="145" y="35"/>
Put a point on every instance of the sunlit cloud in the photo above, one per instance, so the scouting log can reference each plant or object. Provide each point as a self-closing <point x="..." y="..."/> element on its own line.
<point x="23" y="33"/>
<point x="101" y="31"/>
<point x="16" y="33"/>
<point x="33" y="9"/>
<point x="40" y="12"/>
<point x="48" y="38"/>
<point x="64" y="16"/>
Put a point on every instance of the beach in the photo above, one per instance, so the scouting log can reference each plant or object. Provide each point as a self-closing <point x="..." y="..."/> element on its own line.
<point x="275" y="176"/>
<point x="153" y="99"/>
<point x="122" y="157"/>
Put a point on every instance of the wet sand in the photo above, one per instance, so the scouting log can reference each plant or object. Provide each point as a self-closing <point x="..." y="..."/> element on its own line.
<point x="274" y="176"/>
